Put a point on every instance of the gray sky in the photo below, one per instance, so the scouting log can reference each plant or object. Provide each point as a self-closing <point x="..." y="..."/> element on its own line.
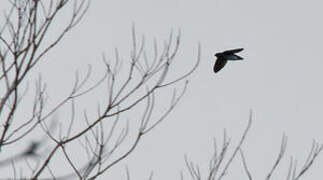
<point x="280" y="78"/>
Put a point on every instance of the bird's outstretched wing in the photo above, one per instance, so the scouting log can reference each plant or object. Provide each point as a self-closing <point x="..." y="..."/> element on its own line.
<point x="233" y="51"/>
<point x="219" y="64"/>
<point x="233" y="57"/>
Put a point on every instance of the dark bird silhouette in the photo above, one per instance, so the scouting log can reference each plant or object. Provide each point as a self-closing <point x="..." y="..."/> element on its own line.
<point x="225" y="56"/>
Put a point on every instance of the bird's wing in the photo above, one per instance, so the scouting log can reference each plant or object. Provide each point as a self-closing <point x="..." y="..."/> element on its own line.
<point x="233" y="57"/>
<point x="219" y="64"/>
<point x="229" y="52"/>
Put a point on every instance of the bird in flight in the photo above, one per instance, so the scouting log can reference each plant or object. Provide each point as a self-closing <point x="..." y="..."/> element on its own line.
<point x="225" y="56"/>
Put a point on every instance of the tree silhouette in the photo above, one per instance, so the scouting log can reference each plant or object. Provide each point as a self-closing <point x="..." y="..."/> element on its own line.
<point x="24" y="44"/>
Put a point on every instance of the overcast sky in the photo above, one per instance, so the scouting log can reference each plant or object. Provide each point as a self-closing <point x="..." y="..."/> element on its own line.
<point x="280" y="77"/>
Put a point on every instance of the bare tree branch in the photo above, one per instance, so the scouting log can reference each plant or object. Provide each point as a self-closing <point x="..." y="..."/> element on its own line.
<point x="280" y="156"/>
<point x="245" y="166"/>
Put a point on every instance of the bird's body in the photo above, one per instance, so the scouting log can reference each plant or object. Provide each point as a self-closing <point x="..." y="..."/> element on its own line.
<point x="224" y="57"/>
